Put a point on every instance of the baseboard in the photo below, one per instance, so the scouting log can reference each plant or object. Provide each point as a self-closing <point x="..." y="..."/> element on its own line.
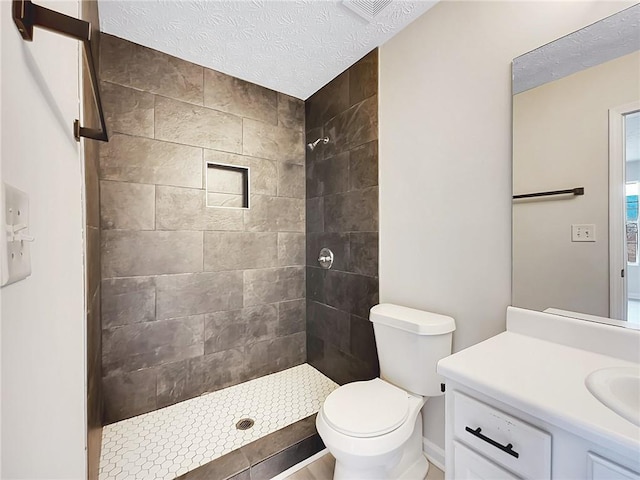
<point x="434" y="453"/>
<point x="301" y="465"/>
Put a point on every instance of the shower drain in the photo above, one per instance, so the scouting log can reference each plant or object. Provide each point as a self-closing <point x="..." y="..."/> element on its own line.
<point x="244" y="424"/>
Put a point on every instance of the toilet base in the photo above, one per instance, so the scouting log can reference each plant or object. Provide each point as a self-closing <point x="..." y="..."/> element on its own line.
<point x="417" y="471"/>
<point x="410" y="463"/>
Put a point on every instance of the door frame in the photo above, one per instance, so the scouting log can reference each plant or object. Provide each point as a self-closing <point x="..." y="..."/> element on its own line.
<point x="617" y="180"/>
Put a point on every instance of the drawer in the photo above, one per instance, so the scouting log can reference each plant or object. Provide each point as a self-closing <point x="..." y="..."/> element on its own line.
<point x="506" y="440"/>
<point x="468" y="465"/>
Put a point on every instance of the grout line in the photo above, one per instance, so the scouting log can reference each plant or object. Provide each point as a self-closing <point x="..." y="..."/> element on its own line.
<point x="154" y="116"/>
<point x="242" y="136"/>
<point x="278" y="110"/>
<point x="155" y="208"/>
<point x="187" y="145"/>
<point x="154" y="120"/>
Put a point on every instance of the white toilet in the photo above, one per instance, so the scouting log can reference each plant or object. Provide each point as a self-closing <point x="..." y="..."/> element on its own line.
<point x="374" y="428"/>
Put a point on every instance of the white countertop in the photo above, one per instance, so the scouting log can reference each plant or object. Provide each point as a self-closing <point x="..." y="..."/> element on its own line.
<point x="546" y="380"/>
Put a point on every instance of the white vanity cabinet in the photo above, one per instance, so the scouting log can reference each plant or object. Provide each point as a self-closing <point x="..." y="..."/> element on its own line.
<point x="517" y="405"/>
<point x="487" y="439"/>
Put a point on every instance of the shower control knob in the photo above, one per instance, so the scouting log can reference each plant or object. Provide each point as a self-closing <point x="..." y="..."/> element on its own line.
<point x="325" y="259"/>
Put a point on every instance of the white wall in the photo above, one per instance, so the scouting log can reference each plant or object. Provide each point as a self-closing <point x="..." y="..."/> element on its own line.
<point x="445" y="159"/>
<point x="43" y="322"/>
<point x="2" y="14"/>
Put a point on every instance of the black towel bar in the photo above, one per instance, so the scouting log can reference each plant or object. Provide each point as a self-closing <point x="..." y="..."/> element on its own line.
<point x="27" y="15"/>
<point x="573" y="191"/>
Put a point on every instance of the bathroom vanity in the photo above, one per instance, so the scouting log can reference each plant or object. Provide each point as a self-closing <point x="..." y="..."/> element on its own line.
<point x="517" y="404"/>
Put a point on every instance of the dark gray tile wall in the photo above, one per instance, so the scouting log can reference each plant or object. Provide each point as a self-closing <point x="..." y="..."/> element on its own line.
<point x="342" y="214"/>
<point x="195" y="298"/>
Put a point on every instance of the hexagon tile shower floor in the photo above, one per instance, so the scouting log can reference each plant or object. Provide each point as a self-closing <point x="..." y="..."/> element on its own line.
<point x="174" y="440"/>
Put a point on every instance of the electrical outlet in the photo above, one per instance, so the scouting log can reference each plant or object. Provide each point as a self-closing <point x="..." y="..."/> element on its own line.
<point x="15" y="255"/>
<point x="583" y="233"/>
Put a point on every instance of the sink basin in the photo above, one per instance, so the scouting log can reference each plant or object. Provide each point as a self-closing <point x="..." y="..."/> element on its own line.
<point x="619" y="389"/>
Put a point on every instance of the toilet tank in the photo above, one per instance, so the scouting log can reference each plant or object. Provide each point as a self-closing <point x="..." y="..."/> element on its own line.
<point x="410" y="342"/>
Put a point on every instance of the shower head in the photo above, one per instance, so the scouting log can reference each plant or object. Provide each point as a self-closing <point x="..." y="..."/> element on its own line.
<point x="313" y="145"/>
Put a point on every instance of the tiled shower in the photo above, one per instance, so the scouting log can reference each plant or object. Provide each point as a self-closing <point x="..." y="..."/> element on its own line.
<point x="342" y="214"/>
<point x="195" y="298"/>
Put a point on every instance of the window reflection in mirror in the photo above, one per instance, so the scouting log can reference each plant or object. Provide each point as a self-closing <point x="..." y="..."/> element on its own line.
<point x="632" y="223"/>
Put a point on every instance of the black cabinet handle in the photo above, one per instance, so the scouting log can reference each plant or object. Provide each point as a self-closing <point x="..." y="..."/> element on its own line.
<point x="508" y="448"/>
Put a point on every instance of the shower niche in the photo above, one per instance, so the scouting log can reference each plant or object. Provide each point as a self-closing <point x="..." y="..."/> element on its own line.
<point x="227" y="186"/>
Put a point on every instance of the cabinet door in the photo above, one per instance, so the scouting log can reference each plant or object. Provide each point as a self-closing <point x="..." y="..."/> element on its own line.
<point x="468" y="465"/>
<point x="599" y="468"/>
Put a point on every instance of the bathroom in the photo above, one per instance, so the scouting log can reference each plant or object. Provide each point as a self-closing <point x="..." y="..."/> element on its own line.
<point x="443" y="136"/>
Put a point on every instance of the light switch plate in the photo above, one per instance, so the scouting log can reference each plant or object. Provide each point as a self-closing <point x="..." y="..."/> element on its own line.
<point x="583" y="232"/>
<point x="15" y="252"/>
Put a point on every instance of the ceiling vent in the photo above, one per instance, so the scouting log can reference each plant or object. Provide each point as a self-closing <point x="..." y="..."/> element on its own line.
<point x="367" y="9"/>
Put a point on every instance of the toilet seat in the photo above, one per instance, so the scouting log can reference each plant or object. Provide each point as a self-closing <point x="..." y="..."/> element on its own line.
<point x="366" y="409"/>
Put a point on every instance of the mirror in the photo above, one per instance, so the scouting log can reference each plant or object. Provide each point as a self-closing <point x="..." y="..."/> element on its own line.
<point x="576" y="172"/>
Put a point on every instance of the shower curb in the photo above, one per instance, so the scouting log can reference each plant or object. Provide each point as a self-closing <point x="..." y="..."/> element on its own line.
<point x="266" y="457"/>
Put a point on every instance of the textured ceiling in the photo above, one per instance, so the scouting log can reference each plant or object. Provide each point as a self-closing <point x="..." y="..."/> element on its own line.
<point x="598" y="43"/>
<point x="292" y="46"/>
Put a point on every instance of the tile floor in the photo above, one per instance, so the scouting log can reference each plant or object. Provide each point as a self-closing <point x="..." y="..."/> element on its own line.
<point x="174" y="440"/>
<point x="322" y="469"/>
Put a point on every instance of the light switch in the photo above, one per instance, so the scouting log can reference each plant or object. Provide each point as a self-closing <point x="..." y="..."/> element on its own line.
<point x="15" y="254"/>
<point x="583" y="232"/>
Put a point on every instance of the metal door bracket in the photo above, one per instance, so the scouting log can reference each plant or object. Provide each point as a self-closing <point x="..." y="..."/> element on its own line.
<point x="27" y="15"/>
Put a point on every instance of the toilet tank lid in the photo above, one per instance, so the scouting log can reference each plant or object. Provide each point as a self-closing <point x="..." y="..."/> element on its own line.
<point x="411" y="320"/>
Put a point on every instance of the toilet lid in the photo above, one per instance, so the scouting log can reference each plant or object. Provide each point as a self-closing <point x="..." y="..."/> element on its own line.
<point x="366" y="409"/>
